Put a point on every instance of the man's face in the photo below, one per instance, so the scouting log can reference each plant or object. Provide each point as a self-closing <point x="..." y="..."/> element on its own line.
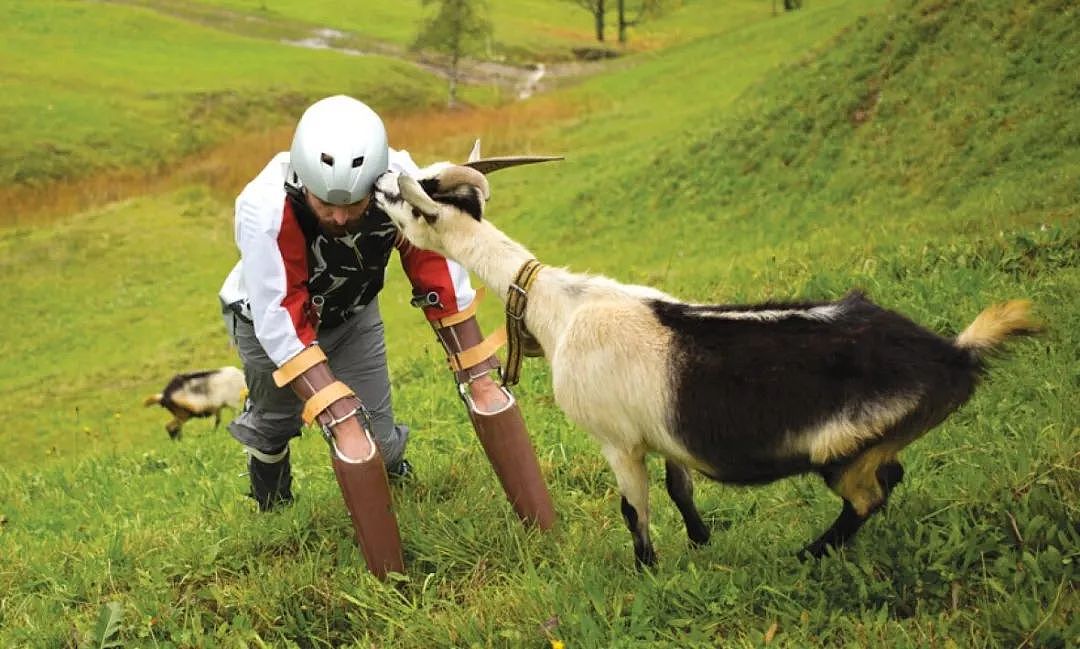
<point x="337" y="220"/>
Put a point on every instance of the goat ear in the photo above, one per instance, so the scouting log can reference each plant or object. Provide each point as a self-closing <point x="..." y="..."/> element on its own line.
<point x="415" y="196"/>
<point x="474" y="155"/>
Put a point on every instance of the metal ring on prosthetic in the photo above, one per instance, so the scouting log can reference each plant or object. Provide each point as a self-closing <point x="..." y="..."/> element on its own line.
<point x="502" y="433"/>
<point x="362" y="480"/>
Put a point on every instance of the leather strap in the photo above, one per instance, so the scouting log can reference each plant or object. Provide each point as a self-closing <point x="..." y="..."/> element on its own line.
<point x="322" y="399"/>
<point x="297" y="365"/>
<point x="517" y="299"/>
<point x="460" y="316"/>
<point x="477" y="354"/>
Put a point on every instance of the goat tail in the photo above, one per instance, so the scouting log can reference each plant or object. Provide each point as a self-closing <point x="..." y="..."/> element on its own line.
<point x="153" y="400"/>
<point x="996" y="324"/>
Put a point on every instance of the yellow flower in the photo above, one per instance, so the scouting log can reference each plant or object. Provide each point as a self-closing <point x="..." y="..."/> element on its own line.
<point x="557" y="644"/>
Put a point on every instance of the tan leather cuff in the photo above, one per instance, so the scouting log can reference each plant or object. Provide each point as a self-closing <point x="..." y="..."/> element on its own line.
<point x="460" y="316"/>
<point x="324" y="398"/>
<point x="297" y="365"/>
<point x="477" y="354"/>
<point x="468" y="353"/>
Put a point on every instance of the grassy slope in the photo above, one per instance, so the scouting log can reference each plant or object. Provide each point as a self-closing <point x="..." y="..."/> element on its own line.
<point x="99" y="86"/>
<point x="777" y="190"/>
<point x="525" y="29"/>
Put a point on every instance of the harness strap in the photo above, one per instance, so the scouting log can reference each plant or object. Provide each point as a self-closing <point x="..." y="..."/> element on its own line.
<point x="517" y="299"/>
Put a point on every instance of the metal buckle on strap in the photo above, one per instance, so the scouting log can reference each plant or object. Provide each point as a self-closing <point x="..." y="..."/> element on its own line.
<point x="361" y="412"/>
<point x="335" y="421"/>
<point x="466" y="394"/>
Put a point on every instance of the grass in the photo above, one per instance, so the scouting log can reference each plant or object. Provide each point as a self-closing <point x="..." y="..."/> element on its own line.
<point x="790" y="157"/>
<point x="98" y="87"/>
<point x="144" y="83"/>
<point x="524" y="30"/>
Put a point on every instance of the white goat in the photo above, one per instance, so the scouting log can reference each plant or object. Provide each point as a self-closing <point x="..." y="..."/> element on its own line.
<point x="200" y="394"/>
<point x="745" y="394"/>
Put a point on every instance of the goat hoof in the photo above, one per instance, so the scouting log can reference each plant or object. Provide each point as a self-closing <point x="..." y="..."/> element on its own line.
<point x="814" y="551"/>
<point x="645" y="560"/>
<point x="699" y="538"/>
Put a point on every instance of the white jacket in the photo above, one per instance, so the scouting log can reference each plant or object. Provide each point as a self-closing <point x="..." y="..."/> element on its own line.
<point x="281" y="255"/>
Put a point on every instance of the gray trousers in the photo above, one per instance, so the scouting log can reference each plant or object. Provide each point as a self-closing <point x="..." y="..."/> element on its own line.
<point x="356" y="351"/>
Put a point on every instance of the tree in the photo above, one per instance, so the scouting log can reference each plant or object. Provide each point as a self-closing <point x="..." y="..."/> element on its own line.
<point x="645" y="9"/>
<point x="459" y="28"/>
<point x="597" y="9"/>
<point x="789" y="5"/>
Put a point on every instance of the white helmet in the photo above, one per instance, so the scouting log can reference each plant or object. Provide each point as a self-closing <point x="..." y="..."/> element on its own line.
<point x="339" y="149"/>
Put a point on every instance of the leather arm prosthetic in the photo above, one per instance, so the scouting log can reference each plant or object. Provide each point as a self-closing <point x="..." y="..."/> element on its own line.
<point x="363" y="482"/>
<point x="501" y="431"/>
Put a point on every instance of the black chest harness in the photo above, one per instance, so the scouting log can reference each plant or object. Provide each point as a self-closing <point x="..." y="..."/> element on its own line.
<point x="344" y="273"/>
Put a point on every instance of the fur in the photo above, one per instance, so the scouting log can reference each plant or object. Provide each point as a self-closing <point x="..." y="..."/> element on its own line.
<point x="745" y="394"/>
<point x="200" y="394"/>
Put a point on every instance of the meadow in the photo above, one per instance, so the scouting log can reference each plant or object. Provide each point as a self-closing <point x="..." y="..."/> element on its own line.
<point x="927" y="152"/>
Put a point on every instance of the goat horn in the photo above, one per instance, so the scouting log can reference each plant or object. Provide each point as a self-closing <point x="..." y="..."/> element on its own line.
<point x="474" y="155"/>
<point x="457" y="175"/>
<point x="415" y="195"/>
<point x="487" y="165"/>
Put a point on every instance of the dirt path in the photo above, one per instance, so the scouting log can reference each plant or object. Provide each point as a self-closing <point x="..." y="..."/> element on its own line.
<point x="216" y="166"/>
<point x="520" y="81"/>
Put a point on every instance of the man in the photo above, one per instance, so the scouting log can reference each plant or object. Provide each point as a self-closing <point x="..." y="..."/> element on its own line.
<point x="301" y="306"/>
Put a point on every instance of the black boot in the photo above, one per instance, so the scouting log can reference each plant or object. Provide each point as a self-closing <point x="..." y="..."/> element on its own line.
<point x="400" y="472"/>
<point x="271" y="483"/>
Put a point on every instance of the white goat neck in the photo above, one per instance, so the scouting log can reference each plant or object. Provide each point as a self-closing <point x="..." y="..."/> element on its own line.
<point x="495" y="258"/>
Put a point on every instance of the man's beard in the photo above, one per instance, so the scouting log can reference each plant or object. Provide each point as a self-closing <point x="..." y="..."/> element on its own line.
<point x="338" y="231"/>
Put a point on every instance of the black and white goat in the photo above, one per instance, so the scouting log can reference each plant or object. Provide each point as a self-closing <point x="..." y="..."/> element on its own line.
<point x="745" y="394"/>
<point x="200" y="394"/>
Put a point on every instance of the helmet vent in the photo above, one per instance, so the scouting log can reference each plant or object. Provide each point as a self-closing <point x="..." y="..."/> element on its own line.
<point x="357" y="162"/>
<point x="327" y="159"/>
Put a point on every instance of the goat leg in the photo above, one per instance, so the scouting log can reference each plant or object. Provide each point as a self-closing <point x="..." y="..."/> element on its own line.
<point x="849" y="521"/>
<point x="680" y="487"/>
<point x="842" y="529"/>
<point x="629" y="468"/>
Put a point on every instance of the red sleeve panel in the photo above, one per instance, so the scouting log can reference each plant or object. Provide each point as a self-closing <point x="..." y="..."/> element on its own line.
<point x="430" y="272"/>
<point x="293" y="249"/>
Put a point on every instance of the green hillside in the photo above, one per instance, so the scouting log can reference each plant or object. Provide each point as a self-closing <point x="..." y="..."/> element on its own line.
<point x="108" y="85"/>
<point x="926" y="152"/>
